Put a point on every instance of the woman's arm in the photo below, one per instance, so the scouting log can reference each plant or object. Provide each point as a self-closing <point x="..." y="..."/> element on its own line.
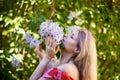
<point x="51" y="49"/>
<point x="40" y="52"/>
<point x="40" y="68"/>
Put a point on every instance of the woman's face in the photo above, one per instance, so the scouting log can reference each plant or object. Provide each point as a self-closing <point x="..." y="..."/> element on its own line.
<point x="70" y="41"/>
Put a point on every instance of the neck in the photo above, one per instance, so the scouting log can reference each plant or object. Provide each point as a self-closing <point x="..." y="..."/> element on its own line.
<point x="65" y="57"/>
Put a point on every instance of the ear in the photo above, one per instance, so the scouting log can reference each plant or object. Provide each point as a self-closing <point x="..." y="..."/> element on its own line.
<point x="83" y="35"/>
<point x="76" y="50"/>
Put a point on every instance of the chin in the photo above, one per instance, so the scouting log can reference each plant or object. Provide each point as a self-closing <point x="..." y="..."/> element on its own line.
<point x="62" y="42"/>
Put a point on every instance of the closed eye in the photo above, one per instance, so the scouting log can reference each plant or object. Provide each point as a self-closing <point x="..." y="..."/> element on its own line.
<point x="71" y="37"/>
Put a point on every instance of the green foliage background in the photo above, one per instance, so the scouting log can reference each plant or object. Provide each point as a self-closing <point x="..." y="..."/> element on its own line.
<point x="102" y="17"/>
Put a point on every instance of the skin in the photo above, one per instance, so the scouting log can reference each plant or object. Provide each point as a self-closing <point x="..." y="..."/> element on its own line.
<point x="67" y="65"/>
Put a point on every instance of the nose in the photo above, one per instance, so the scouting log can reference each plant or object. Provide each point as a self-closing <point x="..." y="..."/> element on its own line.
<point x="64" y="36"/>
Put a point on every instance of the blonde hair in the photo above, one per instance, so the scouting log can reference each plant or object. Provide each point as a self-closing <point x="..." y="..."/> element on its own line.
<point x="86" y="60"/>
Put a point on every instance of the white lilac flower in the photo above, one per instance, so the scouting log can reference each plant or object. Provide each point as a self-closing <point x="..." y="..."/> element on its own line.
<point x="44" y="30"/>
<point x="28" y="38"/>
<point x="15" y="62"/>
<point x="74" y="14"/>
<point x="34" y="42"/>
<point x="71" y="15"/>
<point x="51" y="28"/>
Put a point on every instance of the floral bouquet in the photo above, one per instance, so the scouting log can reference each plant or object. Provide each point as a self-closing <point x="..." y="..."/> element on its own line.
<point x="46" y="28"/>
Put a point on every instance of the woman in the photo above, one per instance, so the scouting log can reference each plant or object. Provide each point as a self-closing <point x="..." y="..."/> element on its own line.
<point x="78" y="60"/>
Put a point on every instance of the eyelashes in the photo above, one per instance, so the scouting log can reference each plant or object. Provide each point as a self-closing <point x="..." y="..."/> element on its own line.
<point x="71" y="37"/>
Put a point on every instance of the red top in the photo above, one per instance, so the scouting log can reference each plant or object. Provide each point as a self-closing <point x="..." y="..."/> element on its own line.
<point x="57" y="74"/>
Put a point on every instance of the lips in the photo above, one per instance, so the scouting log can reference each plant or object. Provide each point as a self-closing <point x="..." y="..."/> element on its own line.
<point x="63" y="40"/>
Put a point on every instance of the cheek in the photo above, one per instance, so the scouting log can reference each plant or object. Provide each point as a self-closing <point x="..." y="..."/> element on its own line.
<point x="69" y="46"/>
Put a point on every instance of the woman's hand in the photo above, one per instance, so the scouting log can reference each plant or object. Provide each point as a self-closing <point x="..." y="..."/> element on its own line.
<point x="52" y="47"/>
<point x="40" y="52"/>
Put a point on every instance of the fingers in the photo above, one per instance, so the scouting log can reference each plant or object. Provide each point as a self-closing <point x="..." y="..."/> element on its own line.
<point x="55" y="45"/>
<point x="51" y="43"/>
<point x="57" y="48"/>
<point x="35" y="49"/>
<point x="40" y="48"/>
<point x="47" y="41"/>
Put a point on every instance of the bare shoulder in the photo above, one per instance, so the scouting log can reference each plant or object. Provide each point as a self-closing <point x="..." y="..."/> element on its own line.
<point x="71" y="70"/>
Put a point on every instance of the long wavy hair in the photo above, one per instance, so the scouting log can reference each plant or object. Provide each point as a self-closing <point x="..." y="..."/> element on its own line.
<point x="86" y="60"/>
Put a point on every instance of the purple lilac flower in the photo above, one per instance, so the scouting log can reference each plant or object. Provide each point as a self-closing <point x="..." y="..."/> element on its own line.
<point x="33" y="41"/>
